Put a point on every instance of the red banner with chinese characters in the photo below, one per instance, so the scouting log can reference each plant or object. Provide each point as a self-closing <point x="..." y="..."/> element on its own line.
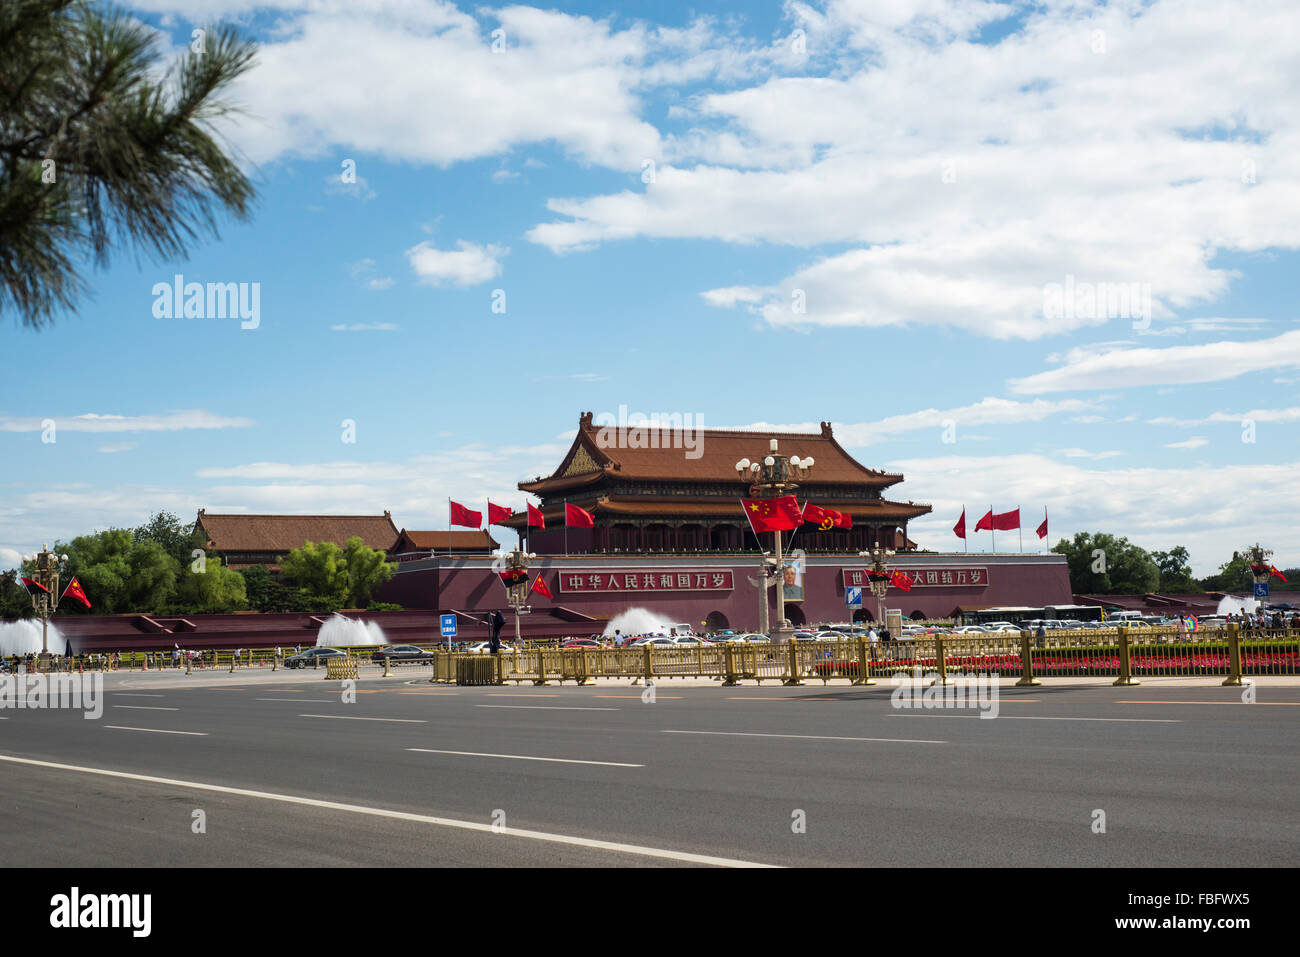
<point x="604" y="582"/>
<point x="948" y="577"/>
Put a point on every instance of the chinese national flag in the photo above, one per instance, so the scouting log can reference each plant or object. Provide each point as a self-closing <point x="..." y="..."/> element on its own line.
<point x="460" y="515"/>
<point x="985" y="524"/>
<point x="498" y="514"/>
<point x="539" y="586"/>
<point x="74" y="590"/>
<point x="575" y="517"/>
<point x="823" y="518"/>
<point x="1041" y="531"/>
<point x="772" y="514"/>
<point x="960" y="528"/>
<point x="1274" y="571"/>
<point x="535" y="518"/>
<point x="900" y="581"/>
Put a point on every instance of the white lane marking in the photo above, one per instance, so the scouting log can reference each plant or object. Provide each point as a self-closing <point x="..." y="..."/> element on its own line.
<point x="348" y="717"/>
<point x="808" y="737"/>
<point x="118" y="727"/>
<point x="1022" y="717"/>
<point x="525" y="757"/>
<point x="637" y="849"/>
<point x="300" y="700"/>
<point x="542" y="707"/>
<point x="144" y="707"/>
<point x="137" y="694"/>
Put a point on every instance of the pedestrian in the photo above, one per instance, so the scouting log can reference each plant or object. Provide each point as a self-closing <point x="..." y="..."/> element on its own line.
<point x="1041" y="634"/>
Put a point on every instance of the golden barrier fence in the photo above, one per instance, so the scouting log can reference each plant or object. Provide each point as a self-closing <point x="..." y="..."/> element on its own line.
<point x="1125" y="653"/>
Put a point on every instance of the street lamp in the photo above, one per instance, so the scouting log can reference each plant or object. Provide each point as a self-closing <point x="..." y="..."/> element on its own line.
<point x="878" y="577"/>
<point x="770" y="478"/>
<point x="516" y="564"/>
<point x="47" y="567"/>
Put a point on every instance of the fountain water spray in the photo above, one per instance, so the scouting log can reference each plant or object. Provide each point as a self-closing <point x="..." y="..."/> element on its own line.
<point x="638" y="621"/>
<point x="24" y="638"/>
<point x="339" y="632"/>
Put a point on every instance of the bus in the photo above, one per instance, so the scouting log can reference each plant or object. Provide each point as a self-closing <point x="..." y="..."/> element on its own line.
<point x="1018" y="614"/>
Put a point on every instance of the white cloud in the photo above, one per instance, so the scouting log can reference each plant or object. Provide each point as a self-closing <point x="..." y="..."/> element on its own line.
<point x="1195" y="442"/>
<point x="364" y="327"/>
<point x="1237" y="418"/>
<point x="1085" y="454"/>
<point x="1176" y="365"/>
<point x="981" y="173"/>
<point x="988" y="411"/>
<point x="467" y="265"/>
<point x="100" y="422"/>
<point x="118" y="447"/>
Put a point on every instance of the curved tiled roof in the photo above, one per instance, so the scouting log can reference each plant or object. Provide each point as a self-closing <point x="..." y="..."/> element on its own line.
<point x="280" y="533"/>
<point x="705" y="455"/>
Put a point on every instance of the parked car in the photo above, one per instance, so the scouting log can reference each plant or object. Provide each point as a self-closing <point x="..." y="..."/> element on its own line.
<point x="582" y="643"/>
<point x="309" y="658"/>
<point x="398" y="653"/>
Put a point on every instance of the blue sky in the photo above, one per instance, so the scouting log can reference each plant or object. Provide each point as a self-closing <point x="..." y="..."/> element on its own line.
<point x="653" y="191"/>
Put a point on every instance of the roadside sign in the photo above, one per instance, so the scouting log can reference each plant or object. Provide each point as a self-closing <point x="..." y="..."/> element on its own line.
<point x="853" y="597"/>
<point x="1261" y="589"/>
<point x="449" y="626"/>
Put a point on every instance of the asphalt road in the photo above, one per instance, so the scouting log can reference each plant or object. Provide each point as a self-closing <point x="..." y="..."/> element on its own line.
<point x="286" y="773"/>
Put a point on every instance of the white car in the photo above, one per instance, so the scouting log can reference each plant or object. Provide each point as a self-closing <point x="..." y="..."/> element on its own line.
<point x="970" y="630"/>
<point x="484" y="648"/>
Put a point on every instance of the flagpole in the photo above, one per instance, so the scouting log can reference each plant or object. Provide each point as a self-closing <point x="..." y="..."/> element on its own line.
<point x="1020" y="531"/>
<point x="993" y="530"/>
<point x="965" y="539"/>
<point x="566" y="526"/>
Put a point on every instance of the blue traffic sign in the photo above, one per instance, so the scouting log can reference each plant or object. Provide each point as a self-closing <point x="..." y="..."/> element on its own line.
<point x="1261" y="589"/>
<point x="853" y="597"/>
<point x="449" y="626"/>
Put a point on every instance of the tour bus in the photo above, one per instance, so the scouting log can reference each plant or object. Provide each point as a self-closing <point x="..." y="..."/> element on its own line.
<point x="1019" y="614"/>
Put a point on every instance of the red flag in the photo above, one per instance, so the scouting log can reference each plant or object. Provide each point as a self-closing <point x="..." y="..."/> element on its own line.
<point x="74" y="589"/>
<point x="960" y="528"/>
<point x="1007" y="520"/>
<point x="985" y="524"/>
<point x="900" y="581"/>
<point x="575" y="517"/>
<point x="823" y="518"/>
<point x="514" y="576"/>
<point x="497" y="514"/>
<point x="539" y="586"/>
<point x="772" y="514"/>
<point x="34" y="586"/>
<point x="1274" y="571"/>
<point x="535" y="518"/>
<point x="460" y="515"/>
<point x="843" y="520"/>
<point x="1042" y="529"/>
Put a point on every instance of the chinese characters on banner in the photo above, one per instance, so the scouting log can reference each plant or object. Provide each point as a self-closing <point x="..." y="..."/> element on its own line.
<point x="927" y="577"/>
<point x="599" y="582"/>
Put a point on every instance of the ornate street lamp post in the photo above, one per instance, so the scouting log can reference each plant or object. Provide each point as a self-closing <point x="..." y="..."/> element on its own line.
<point x="770" y="478"/>
<point x="1260" y="570"/>
<point x="47" y="567"/>
<point x="878" y="578"/>
<point x="516" y="563"/>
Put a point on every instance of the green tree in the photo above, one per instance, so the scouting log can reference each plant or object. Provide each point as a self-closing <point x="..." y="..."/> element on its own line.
<point x="100" y="146"/>
<point x="1175" y="571"/>
<point x="179" y="539"/>
<point x="331" y="577"/>
<point x="215" y="589"/>
<point x="1103" y="564"/>
<point x="14" y="600"/>
<point x="1234" y="576"/>
<point x="120" y="574"/>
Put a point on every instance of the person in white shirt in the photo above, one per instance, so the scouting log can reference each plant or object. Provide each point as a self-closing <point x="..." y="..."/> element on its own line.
<point x="872" y="636"/>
